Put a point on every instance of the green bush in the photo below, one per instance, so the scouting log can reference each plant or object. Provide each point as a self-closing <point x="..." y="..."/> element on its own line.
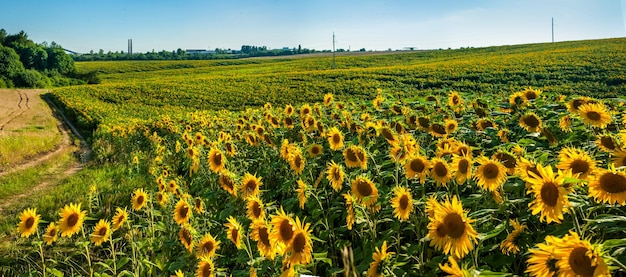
<point x="32" y="78"/>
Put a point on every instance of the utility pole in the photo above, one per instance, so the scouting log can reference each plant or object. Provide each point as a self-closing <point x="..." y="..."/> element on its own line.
<point x="334" y="59"/>
<point x="553" y="30"/>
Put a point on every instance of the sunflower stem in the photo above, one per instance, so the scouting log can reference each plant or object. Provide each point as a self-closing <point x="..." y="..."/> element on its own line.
<point x="113" y="254"/>
<point x="43" y="261"/>
<point x="82" y="229"/>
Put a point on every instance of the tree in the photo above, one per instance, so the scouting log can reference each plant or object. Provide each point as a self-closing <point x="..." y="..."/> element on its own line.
<point x="10" y="65"/>
<point x="60" y="61"/>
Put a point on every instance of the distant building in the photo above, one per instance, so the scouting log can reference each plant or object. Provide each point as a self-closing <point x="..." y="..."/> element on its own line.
<point x="199" y="51"/>
<point x="409" y="48"/>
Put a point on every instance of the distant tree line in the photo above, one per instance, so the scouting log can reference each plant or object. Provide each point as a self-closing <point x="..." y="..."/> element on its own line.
<point x="24" y="63"/>
<point x="218" y="53"/>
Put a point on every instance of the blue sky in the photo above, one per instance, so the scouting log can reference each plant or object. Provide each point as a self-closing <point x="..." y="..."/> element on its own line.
<point x="84" y="25"/>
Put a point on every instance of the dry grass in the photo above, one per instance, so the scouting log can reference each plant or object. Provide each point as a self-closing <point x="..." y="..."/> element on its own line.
<point x="27" y="127"/>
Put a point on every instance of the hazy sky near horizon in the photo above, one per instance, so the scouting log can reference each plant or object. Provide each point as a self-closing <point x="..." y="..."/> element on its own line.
<point x="84" y="25"/>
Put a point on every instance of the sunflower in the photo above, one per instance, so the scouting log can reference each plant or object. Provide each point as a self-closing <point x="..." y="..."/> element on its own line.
<point x="261" y="234"/>
<point x="206" y="268"/>
<point x="609" y="186"/>
<point x="301" y="247"/>
<point x="595" y="114"/>
<point x="402" y="203"/>
<point x="565" y="123"/>
<point x="288" y="110"/>
<point x="381" y="254"/>
<point x="417" y="166"/>
<point x="451" y="125"/>
<point x="328" y="99"/>
<point x="227" y="183"/>
<point x="619" y="157"/>
<point x="315" y="150"/>
<point x="71" y="219"/>
<point x="234" y="231"/>
<point x="577" y="257"/>
<point x="355" y="156"/>
<point x="162" y="198"/>
<point x="296" y="161"/>
<point x="440" y="171"/>
<point x="517" y="100"/>
<point x="198" y="205"/>
<point x="450" y="229"/>
<point x="335" y="175"/>
<point x="305" y="110"/>
<point x="454" y="99"/>
<point x="524" y="166"/>
<point x="576" y="160"/>
<point x="542" y="261"/>
<point x="349" y="210"/>
<point x="51" y="234"/>
<point x="530" y="122"/>
<point x="462" y="167"/>
<point x="301" y="190"/>
<point x="119" y="218"/>
<point x="452" y="268"/>
<point x="508" y="160"/>
<point x="607" y="143"/>
<point x="335" y="138"/>
<point x="389" y="135"/>
<point x="509" y="245"/>
<point x="490" y="175"/>
<point x="531" y="94"/>
<point x="207" y="246"/>
<point x="250" y="185"/>
<point x="29" y="219"/>
<point x="139" y="199"/>
<point x="550" y="195"/>
<point x="172" y="186"/>
<point x="255" y="208"/>
<point x="216" y="160"/>
<point x="231" y="149"/>
<point x="483" y="123"/>
<point x="182" y="212"/>
<point x="365" y="190"/>
<point x="101" y="233"/>
<point x="282" y="231"/>
<point x="574" y="104"/>
<point x="423" y="122"/>
<point x="462" y="149"/>
<point x="437" y="130"/>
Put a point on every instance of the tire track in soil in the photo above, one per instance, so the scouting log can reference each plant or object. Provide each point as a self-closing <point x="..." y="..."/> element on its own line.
<point x="12" y="116"/>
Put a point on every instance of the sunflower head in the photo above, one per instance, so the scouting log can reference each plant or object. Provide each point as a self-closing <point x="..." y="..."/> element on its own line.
<point x="609" y="186"/>
<point x="227" y="183"/>
<point x="51" y="234"/>
<point x="531" y="122"/>
<point x="315" y="150"/>
<point x="206" y="268"/>
<point x="29" y="220"/>
<point x="491" y="174"/>
<point x="417" y="166"/>
<point x="365" y="190"/>
<point x="595" y="114"/>
<point x="139" y="199"/>
<point x="261" y="234"/>
<point x="71" y="220"/>
<point x="283" y="231"/>
<point x="335" y="175"/>
<point x="550" y="195"/>
<point x="120" y="218"/>
<point x="101" y="233"/>
<point x="217" y="160"/>
<point x="207" y="246"/>
<point x="440" y="171"/>
<point x="255" y="208"/>
<point x="402" y="203"/>
<point x="233" y="231"/>
<point x="335" y="138"/>
<point x="328" y="99"/>
<point x="250" y="185"/>
<point x="182" y="212"/>
<point x="454" y="99"/>
<point x="301" y="247"/>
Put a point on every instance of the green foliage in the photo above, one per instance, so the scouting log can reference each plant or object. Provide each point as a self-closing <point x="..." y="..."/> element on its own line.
<point x="33" y="79"/>
<point x="10" y="65"/>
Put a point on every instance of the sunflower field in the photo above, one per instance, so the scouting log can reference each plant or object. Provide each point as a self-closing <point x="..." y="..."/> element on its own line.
<point x="527" y="182"/>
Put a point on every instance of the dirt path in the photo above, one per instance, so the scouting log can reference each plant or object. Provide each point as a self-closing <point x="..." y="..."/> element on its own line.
<point x="65" y="128"/>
